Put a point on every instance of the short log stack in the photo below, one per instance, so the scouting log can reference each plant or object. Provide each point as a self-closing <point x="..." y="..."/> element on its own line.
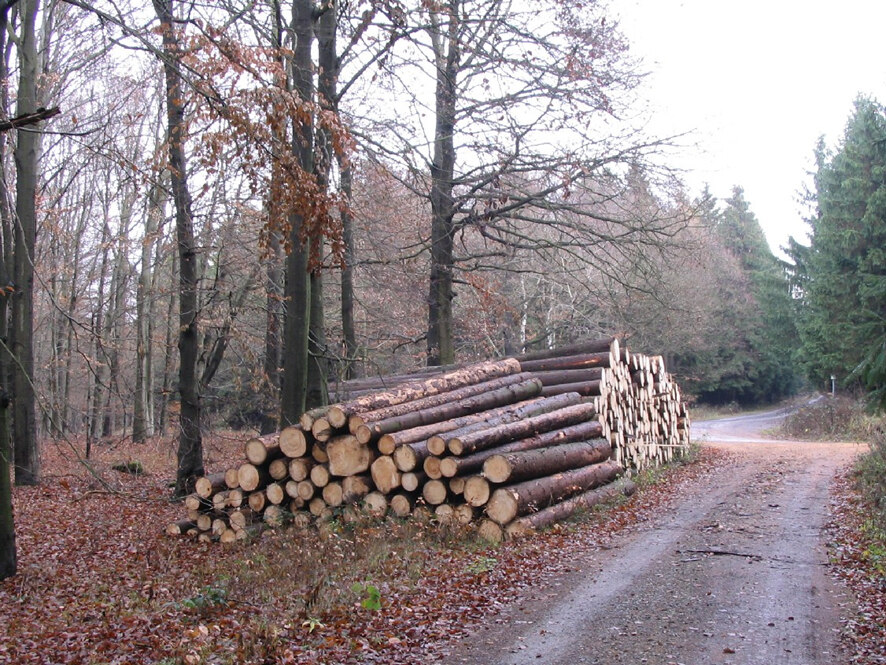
<point x="511" y="445"/>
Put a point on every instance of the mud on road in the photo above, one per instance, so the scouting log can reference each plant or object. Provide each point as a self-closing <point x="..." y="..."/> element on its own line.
<point x="734" y="572"/>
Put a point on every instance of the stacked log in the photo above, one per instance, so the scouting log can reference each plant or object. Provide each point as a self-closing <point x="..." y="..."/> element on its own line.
<point x="510" y="445"/>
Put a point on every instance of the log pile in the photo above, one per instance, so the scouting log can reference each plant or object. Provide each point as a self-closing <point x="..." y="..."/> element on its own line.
<point x="511" y="445"/>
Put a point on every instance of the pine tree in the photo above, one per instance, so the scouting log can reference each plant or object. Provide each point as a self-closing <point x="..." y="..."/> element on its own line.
<point x="843" y="273"/>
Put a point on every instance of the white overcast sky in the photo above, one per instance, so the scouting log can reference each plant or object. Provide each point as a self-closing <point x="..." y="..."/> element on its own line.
<point x="758" y="82"/>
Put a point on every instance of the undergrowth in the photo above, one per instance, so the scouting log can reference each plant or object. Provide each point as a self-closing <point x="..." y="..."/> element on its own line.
<point x="871" y="479"/>
<point x="830" y="419"/>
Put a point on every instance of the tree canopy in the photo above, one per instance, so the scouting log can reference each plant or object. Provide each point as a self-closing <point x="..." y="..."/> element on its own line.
<point x="840" y="277"/>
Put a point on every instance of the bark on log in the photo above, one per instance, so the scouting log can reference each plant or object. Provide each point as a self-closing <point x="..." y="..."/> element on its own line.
<point x="453" y="466"/>
<point x="487" y="438"/>
<point x="584" y="388"/>
<point x="347" y="456"/>
<point x="561" y="376"/>
<point x="508" y="503"/>
<point x="567" y="362"/>
<point x="515" y="413"/>
<point x="518" y="466"/>
<point x="389" y="442"/>
<point x="485" y="401"/>
<point x="608" y="344"/>
<point x="416" y="390"/>
<point x="561" y="511"/>
<point x="370" y="418"/>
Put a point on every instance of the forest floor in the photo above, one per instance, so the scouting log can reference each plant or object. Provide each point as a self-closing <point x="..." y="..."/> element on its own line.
<point x="686" y="562"/>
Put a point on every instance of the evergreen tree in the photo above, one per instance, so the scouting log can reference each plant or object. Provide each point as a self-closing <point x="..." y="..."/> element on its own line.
<point x="843" y="272"/>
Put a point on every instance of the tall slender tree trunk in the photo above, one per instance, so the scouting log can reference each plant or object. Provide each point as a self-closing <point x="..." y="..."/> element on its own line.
<point x="8" y="551"/>
<point x="168" y="354"/>
<point x="27" y="157"/>
<point x="353" y="368"/>
<point x="98" y="381"/>
<point x="190" y="446"/>
<point x="293" y="393"/>
<point x="274" y="300"/>
<point x="444" y="36"/>
<point x="143" y="408"/>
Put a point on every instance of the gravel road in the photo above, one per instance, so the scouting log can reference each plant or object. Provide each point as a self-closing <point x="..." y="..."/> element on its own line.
<point x="733" y="572"/>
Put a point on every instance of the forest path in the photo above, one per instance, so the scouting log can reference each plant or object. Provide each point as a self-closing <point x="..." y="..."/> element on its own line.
<point x="734" y="572"/>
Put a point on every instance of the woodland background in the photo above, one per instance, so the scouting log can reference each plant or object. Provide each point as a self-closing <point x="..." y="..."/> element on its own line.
<point x="238" y="202"/>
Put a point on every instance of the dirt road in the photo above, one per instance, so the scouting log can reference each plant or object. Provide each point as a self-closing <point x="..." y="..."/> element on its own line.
<point x="735" y="571"/>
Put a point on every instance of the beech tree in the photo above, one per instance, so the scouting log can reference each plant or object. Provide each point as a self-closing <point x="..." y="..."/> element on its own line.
<point x="524" y="105"/>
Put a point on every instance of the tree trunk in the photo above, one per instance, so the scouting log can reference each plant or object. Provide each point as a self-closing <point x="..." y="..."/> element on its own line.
<point x="517" y="466"/>
<point x="293" y="393"/>
<point x="508" y="503"/>
<point x="190" y="447"/>
<point x="353" y="367"/>
<point x="143" y="407"/>
<point x="274" y="287"/>
<point x="444" y="31"/>
<point x="27" y="158"/>
<point x="8" y="551"/>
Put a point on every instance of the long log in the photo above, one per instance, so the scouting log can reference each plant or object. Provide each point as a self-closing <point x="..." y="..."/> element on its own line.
<point x="607" y="344"/>
<point x="476" y="373"/>
<point x="507" y="415"/>
<point x="497" y="434"/>
<point x="508" y="503"/>
<point x="483" y="402"/>
<point x="568" y="507"/>
<point x="561" y="376"/>
<point x="355" y="488"/>
<point x="300" y="467"/>
<point x="476" y="491"/>
<point x="371" y="418"/>
<point x="454" y="466"/>
<point x="568" y="362"/>
<point x="388" y="443"/>
<point x="583" y="388"/>
<point x="517" y="466"/>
